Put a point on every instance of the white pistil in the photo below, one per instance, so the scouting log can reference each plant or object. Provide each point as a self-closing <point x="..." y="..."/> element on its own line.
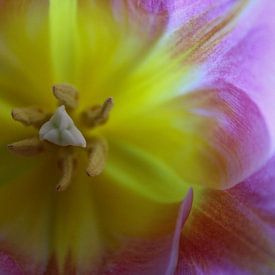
<point x="61" y="130"/>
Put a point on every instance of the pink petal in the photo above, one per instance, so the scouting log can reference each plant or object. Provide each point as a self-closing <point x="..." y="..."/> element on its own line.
<point x="258" y="192"/>
<point x="246" y="59"/>
<point x="186" y="22"/>
<point x="232" y="232"/>
<point x="237" y="93"/>
<point x="152" y="256"/>
<point x="235" y="129"/>
<point x="241" y="70"/>
<point x="8" y="266"/>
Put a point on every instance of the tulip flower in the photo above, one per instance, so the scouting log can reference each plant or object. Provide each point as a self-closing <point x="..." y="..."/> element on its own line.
<point x="137" y="137"/>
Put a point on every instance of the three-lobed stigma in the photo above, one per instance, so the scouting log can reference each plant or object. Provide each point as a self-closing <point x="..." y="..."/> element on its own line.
<point x="61" y="130"/>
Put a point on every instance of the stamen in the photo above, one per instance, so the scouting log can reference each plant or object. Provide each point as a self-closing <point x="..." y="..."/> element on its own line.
<point x="98" y="114"/>
<point x="59" y="129"/>
<point x="66" y="94"/>
<point x="27" y="147"/>
<point x="97" y="153"/>
<point x="31" y="116"/>
<point x="67" y="164"/>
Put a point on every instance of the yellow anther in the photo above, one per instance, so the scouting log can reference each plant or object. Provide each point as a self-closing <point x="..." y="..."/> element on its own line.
<point x="27" y="147"/>
<point x="106" y="108"/>
<point x="97" y="154"/>
<point x="66" y="94"/>
<point x="66" y="163"/>
<point x="31" y="116"/>
<point x="98" y="114"/>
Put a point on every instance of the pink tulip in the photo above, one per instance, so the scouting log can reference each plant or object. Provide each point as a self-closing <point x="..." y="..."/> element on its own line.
<point x="160" y="160"/>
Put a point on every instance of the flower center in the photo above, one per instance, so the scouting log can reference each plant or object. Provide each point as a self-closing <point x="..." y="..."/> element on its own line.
<point x="58" y="133"/>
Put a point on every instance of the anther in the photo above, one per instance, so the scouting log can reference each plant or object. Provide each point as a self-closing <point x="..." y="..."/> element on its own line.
<point x="31" y="116"/>
<point x="106" y="108"/>
<point x="98" y="114"/>
<point x="67" y="165"/>
<point x="27" y="147"/>
<point x="66" y="94"/>
<point x="97" y="154"/>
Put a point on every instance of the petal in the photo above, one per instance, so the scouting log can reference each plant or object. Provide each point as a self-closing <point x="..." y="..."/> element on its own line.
<point x="257" y="192"/>
<point x="151" y="256"/>
<point x="182" y="217"/>
<point x="232" y="231"/>
<point x="185" y="24"/>
<point x="245" y="59"/>
<point x="234" y="129"/>
<point x="205" y="137"/>
<point x="8" y="265"/>
<point x="241" y="71"/>
<point x="197" y="28"/>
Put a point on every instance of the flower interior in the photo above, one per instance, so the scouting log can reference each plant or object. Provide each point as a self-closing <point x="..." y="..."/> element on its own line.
<point x="105" y="160"/>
